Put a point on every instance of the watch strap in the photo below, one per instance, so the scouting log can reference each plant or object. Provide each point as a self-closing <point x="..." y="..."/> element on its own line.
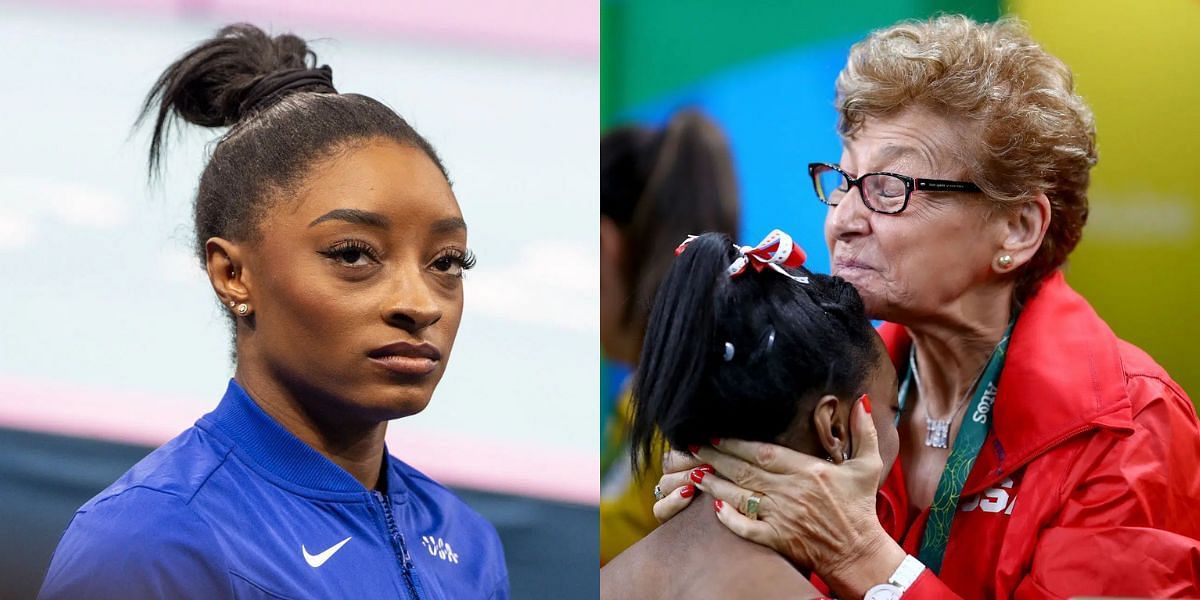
<point x="907" y="573"/>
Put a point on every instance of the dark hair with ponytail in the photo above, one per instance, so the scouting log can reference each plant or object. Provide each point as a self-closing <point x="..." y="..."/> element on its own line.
<point x="792" y="343"/>
<point x="284" y="116"/>
<point x="660" y="185"/>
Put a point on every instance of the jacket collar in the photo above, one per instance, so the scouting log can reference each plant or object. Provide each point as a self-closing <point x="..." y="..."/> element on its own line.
<point x="1063" y="376"/>
<point x="271" y="446"/>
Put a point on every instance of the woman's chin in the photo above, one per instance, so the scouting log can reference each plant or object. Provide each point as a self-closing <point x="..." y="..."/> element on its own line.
<point x="388" y="402"/>
<point x="397" y="407"/>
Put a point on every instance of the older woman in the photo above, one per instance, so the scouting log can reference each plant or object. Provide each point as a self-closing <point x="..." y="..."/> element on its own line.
<point x="961" y="190"/>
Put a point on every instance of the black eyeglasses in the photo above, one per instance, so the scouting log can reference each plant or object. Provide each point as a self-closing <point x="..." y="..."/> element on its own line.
<point x="885" y="193"/>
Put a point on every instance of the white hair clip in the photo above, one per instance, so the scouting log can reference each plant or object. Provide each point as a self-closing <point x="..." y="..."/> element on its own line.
<point x="776" y="251"/>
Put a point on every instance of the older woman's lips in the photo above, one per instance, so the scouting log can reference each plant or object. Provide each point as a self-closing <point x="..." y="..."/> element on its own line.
<point x="842" y="265"/>
<point x="405" y="358"/>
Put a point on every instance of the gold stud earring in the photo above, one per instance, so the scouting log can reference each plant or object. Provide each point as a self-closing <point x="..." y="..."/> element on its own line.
<point x="242" y="309"/>
<point x="1005" y="261"/>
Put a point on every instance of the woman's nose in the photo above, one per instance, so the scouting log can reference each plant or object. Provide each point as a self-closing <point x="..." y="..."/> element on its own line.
<point x="849" y="217"/>
<point x="412" y="305"/>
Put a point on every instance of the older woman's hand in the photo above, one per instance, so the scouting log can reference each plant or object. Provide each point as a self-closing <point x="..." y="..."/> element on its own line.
<point x="819" y="515"/>
<point x="676" y="485"/>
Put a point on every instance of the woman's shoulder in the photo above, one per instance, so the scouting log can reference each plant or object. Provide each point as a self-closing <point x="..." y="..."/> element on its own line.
<point x="178" y="468"/>
<point x="142" y="530"/>
<point x="1145" y="379"/>
<point x="144" y="523"/>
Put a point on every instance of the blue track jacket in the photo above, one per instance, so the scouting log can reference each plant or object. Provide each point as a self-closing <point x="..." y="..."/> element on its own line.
<point x="238" y="507"/>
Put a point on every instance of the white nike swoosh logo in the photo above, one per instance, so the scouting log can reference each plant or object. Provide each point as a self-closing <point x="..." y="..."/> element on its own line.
<point x="316" y="560"/>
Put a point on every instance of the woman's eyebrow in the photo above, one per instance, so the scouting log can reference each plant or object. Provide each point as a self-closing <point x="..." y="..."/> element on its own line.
<point x="449" y="225"/>
<point x="353" y="215"/>
<point x="892" y="153"/>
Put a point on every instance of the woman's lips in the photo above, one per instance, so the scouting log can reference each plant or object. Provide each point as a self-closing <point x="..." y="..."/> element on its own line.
<point x="406" y="365"/>
<point x="846" y="264"/>
<point x="406" y="358"/>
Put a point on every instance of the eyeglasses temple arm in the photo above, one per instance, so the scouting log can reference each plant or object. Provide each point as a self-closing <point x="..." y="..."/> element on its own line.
<point x="943" y="185"/>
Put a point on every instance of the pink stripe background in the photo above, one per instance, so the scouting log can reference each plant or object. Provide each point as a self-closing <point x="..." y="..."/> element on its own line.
<point x="503" y="466"/>
<point x="560" y="27"/>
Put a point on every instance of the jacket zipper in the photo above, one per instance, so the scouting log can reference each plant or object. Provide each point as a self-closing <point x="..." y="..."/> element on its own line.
<point x="398" y="545"/>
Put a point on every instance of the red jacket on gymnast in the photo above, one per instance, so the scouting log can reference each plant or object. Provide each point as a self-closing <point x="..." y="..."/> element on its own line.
<point x="1087" y="484"/>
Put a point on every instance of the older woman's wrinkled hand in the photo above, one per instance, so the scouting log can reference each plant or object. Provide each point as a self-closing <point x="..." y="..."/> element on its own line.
<point x="819" y="515"/>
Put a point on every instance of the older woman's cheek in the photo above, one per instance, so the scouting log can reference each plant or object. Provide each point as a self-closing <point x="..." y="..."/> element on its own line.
<point x="828" y="229"/>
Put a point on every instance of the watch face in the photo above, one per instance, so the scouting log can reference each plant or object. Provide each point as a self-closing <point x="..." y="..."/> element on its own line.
<point x="883" y="591"/>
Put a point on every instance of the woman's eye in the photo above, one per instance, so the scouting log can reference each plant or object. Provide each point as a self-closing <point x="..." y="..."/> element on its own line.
<point x="454" y="263"/>
<point x="448" y="264"/>
<point x="350" y="255"/>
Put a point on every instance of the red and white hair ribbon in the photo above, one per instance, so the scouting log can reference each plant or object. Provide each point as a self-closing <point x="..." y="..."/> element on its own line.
<point x="776" y="251"/>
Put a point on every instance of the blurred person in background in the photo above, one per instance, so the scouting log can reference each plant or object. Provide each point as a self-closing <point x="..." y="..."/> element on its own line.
<point x="784" y="356"/>
<point x="1040" y="455"/>
<point x="656" y="187"/>
<point x="336" y="247"/>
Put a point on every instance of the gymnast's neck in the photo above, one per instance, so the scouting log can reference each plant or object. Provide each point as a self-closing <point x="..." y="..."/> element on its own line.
<point x="694" y="556"/>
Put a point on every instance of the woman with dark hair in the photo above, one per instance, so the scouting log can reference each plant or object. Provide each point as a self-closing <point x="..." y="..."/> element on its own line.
<point x="656" y="186"/>
<point x="743" y="342"/>
<point x="332" y="238"/>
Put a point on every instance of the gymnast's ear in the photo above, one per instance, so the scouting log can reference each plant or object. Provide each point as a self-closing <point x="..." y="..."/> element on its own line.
<point x="829" y="427"/>
<point x="227" y="272"/>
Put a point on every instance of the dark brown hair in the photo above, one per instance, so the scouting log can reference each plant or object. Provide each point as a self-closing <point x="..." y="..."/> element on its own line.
<point x="659" y="186"/>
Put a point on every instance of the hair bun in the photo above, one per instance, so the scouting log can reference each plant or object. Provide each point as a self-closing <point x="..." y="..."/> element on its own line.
<point x="276" y="85"/>
<point x="230" y="76"/>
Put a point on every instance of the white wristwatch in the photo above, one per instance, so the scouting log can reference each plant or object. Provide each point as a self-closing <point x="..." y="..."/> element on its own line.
<point x="903" y="577"/>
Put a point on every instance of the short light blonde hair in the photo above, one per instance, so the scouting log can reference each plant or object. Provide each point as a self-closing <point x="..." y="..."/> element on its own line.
<point x="1035" y="134"/>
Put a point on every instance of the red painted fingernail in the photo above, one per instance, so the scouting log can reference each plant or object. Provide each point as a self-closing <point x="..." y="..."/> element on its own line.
<point x="687" y="491"/>
<point x="866" y="402"/>
<point x="706" y="468"/>
<point x="716" y="441"/>
<point x="693" y="449"/>
<point x="697" y="475"/>
<point x="717" y="504"/>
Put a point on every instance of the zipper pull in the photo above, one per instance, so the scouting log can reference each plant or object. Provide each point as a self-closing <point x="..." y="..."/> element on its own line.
<point x="404" y="550"/>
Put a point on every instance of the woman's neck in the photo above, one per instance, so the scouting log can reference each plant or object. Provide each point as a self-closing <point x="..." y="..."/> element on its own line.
<point x="694" y="556"/>
<point x="697" y="530"/>
<point x="357" y="448"/>
<point x="953" y="345"/>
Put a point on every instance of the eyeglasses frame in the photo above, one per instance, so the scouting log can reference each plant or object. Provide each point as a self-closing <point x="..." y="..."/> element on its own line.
<point x="911" y="184"/>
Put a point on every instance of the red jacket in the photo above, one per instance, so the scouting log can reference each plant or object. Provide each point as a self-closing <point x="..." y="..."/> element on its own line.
<point x="1089" y="482"/>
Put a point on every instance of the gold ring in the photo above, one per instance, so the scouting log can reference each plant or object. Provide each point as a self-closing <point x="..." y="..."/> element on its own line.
<point x="752" y="504"/>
